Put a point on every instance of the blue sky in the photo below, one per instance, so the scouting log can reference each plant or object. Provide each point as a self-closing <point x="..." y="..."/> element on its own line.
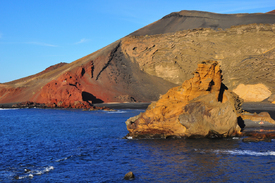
<point x="35" y="34"/>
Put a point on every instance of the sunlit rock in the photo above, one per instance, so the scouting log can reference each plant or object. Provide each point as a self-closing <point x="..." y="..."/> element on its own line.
<point x="202" y="106"/>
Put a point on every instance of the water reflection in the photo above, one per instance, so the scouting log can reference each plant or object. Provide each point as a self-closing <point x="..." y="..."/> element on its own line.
<point x="183" y="160"/>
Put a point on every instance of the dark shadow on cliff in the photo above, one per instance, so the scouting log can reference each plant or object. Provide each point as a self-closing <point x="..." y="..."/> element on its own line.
<point x="88" y="97"/>
<point x="241" y="123"/>
<point x="223" y="88"/>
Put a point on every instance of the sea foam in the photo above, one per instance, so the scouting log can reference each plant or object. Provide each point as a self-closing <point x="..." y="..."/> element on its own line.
<point x="245" y="152"/>
<point x="38" y="171"/>
<point x="118" y="111"/>
<point x="8" y="109"/>
<point x="237" y="152"/>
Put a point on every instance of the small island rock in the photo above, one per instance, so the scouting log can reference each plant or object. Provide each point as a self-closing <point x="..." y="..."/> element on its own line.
<point x="202" y="106"/>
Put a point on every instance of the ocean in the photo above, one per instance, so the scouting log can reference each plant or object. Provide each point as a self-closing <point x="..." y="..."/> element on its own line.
<point x="52" y="145"/>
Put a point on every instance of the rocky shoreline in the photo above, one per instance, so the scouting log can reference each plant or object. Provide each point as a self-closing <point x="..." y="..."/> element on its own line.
<point x="201" y="107"/>
<point x="99" y="106"/>
<point x="247" y="106"/>
<point x="29" y="104"/>
<point x="253" y="131"/>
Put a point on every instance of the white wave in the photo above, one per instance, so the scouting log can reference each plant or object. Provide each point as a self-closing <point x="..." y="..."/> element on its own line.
<point x="62" y="159"/>
<point x="30" y="174"/>
<point x="8" y="109"/>
<point x="245" y="152"/>
<point x="118" y="111"/>
<point x="40" y="171"/>
<point x="25" y="176"/>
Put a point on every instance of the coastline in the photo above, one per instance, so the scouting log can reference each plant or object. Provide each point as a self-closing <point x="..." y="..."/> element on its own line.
<point x="138" y="105"/>
<point x="8" y="105"/>
<point x="247" y="106"/>
<point x="253" y="129"/>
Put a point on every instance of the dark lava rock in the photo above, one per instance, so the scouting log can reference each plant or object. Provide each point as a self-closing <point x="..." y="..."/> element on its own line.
<point x="27" y="170"/>
<point x="129" y="176"/>
<point x="255" y="139"/>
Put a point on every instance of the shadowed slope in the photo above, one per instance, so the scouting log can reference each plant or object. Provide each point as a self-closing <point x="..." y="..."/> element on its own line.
<point x="185" y="20"/>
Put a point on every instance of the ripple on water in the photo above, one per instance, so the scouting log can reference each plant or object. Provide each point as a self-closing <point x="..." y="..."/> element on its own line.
<point x="81" y="146"/>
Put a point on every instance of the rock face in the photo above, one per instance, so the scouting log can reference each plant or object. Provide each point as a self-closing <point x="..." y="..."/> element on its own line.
<point x="174" y="56"/>
<point x="253" y="93"/>
<point x="201" y="106"/>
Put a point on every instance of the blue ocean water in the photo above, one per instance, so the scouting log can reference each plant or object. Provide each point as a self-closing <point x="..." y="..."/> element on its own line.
<point x="50" y="145"/>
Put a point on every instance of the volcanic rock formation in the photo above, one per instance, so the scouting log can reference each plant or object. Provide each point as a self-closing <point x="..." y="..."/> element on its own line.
<point x="201" y="106"/>
<point x="271" y="12"/>
<point x="146" y="63"/>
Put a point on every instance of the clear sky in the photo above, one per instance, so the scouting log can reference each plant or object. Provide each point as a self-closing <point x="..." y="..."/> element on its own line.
<point x="35" y="34"/>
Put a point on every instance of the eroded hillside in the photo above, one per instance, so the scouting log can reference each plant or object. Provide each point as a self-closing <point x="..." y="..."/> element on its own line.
<point x="145" y="64"/>
<point x="246" y="53"/>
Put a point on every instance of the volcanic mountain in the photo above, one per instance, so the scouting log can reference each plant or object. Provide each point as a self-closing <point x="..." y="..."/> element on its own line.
<point x="273" y="12"/>
<point x="145" y="64"/>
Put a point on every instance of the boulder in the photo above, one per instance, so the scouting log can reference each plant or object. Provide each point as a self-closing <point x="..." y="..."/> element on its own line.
<point x="202" y="106"/>
<point x="253" y="93"/>
<point x="205" y="116"/>
<point x="129" y="176"/>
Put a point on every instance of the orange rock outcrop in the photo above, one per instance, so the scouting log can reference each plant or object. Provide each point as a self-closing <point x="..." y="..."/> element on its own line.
<point x="201" y="106"/>
<point x="253" y="93"/>
<point x="263" y="116"/>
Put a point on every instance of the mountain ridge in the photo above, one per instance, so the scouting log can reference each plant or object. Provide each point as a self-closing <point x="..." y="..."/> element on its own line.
<point x="184" y="20"/>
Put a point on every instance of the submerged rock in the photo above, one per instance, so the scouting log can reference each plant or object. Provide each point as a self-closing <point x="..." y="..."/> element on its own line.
<point x="129" y="176"/>
<point x="256" y="139"/>
<point x="26" y="170"/>
<point x="202" y="106"/>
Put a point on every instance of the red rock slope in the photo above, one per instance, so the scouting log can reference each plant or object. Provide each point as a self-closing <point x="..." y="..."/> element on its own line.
<point x="104" y="76"/>
<point x="271" y="12"/>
